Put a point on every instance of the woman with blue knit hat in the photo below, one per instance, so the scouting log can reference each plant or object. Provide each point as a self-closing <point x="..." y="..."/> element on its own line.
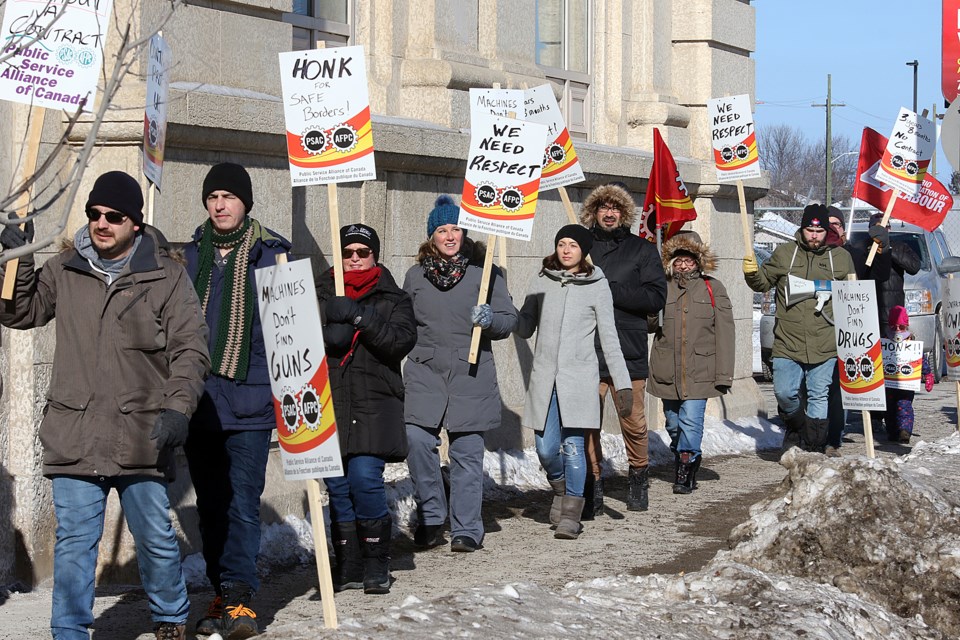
<point x="443" y="390"/>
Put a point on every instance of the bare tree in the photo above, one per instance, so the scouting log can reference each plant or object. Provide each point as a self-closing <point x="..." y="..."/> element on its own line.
<point x="797" y="167"/>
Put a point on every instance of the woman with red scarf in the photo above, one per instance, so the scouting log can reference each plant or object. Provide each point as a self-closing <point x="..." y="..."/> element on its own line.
<point x="367" y="332"/>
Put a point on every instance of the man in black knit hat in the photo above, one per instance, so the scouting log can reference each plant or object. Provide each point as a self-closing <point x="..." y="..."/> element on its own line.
<point x="130" y="360"/>
<point x="230" y="431"/>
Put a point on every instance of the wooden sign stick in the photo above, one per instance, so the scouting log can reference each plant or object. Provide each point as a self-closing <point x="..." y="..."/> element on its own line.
<point x="151" y="194"/>
<point x="567" y="205"/>
<point x="335" y="238"/>
<point x="884" y="222"/>
<point x="744" y="220"/>
<point x="22" y="207"/>
<point x="482" y="298"/>
<point x="319" y="537"/>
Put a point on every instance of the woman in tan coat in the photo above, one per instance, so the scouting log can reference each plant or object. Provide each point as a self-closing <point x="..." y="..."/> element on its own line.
<point x="693" y="350"/>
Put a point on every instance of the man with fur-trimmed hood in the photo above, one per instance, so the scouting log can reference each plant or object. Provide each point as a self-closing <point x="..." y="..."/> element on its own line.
<point x="693" y="350"/>
<point x="639" y="288"/>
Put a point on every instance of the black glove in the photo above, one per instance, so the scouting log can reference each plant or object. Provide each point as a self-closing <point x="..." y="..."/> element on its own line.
<point x="624" y="401"/>
<point x="13" y="236"/>
<point x="880" y="235"/>
<point x="343" y="309"/>
<point x="338" y="336"/>
<point x="170" y="429"/>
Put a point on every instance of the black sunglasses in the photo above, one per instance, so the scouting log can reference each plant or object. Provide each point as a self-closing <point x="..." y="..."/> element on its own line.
<point x="363" y="252"/>
<point x="113" y="217"/>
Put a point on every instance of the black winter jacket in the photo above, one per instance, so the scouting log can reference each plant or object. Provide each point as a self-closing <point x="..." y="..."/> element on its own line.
<point x="639" y="286"/>
<point x="366" y="384"/>
<point x="887" y="270"/>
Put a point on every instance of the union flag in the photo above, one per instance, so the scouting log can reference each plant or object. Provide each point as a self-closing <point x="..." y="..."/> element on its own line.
<point x="667" y="205"/>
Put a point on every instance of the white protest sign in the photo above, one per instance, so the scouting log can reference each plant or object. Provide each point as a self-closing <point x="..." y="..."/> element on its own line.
<point x="734" y="138"/>
<point x="155" y="114"/>
<point x="506" y="103"/>
<point x="857" y="330"/>
<point x="902" y="363"/>
<point x="950" y="321"/>
<point x="908" y="153"/>
<point x="561" y="166"/>
<point x="502" y="183"/>
<point x="60" y="70"/>
<point x="326" y="107"/>
<point x="299" y="378"/>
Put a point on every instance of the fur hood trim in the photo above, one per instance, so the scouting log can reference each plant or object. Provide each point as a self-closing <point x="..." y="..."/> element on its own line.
<point x="689" y="243"/>
<point x="608" y="193"/>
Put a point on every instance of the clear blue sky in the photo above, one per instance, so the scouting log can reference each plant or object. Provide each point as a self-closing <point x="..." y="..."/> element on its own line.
<point x="864" y="45"/>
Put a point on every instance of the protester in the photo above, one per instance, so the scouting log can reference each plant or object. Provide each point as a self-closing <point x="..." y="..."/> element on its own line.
<point x="569" y="305"/>
<point x="899" y="413"/>
<point x="368" y="332"/>
<point x="128" y="370"/>
<point x="693" y="350"/>
<point x="443" y="390"/>
<point x="230" y="432"/>
<point x="804" y="346"/>
<point x="633" y="271"/>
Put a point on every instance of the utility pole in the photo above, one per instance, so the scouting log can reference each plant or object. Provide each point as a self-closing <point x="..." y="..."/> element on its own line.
<point x="828" y="169"/>
<point x="915" y="64"/>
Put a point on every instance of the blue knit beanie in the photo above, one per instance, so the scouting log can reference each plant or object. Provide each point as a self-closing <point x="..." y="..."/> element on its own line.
<point x="445" y="211"/>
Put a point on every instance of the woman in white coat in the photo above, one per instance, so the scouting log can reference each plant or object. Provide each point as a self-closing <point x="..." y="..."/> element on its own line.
<point x="569" y="303"/>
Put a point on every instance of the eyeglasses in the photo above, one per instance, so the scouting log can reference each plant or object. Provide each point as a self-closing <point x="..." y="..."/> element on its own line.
<point x="113" y="217"/>
<point x="687" y="261"/>
<point x="609" y="207"/>
<point x="363" y="253"/>
<point x="836" y="225"/>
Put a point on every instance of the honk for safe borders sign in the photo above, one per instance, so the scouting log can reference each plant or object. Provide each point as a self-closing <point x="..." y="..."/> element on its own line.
<point x="502" y="182"/>
<point x="734" y="138"/>
<point x="902" y="363"/>
<point x="908" y="153"/>
<point x="561" y="166"/>
<point x="858" y="345"/>
<point x="299" y="378"/>
<point x="52" y="52"/>
<point x="326" y="107"/>
<point x="950" y="321"/>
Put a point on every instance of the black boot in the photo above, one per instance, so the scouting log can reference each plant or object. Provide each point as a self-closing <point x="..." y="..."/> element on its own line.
<point x="637" y="495"/>
<point x="794" y="424"/>
<point x="348" y="573"/>
<point x="693" y="472"/>
<point x="683" y="481"/>
<point x="239" y="621"/>
<point x="598" y="497"/>
<point x="375" y="546"/>
<point x="588" y="496"/>
<point x="814" y="435"/>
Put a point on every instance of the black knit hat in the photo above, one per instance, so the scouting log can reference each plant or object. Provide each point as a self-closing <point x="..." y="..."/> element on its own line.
<point x="815" y="215"/>
<point x="228" y="176"/>
<point x="362" y="234"/>
<point x="578" y="233"/>
<point x="121" y="192"/>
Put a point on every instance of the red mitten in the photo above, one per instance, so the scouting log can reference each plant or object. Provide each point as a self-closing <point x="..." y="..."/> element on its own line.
<point x="928" y="382"/>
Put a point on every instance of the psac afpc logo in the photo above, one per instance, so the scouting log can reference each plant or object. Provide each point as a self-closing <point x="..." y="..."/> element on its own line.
<point x="341" y="138"/>
<point x="857" y="368"/>
<point x="488" y="195"/>
<point x="301" y="408"/>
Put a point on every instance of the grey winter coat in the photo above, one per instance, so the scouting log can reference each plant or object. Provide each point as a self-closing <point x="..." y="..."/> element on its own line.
<point x="568" y="311"/>
<point x="442" y="388"/>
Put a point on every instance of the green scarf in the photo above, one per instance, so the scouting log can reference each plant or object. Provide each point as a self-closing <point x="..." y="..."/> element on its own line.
<point x="230" y="357"/>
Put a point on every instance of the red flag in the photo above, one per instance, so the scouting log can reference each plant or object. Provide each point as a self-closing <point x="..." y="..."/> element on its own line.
<point x="926" y="209"/>
<point x="667" y="204"/>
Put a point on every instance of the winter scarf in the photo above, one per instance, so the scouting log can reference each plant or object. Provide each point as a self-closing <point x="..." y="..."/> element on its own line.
<point x="445" y="274"/>
<point x="357" y="283"/>
<point x="230" y="356"/>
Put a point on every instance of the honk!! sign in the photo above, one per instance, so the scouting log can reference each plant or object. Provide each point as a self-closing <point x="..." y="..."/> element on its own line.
<point x="299" y="378"/>
<point x="859" y="351"/>
<point x="326" y="107"/>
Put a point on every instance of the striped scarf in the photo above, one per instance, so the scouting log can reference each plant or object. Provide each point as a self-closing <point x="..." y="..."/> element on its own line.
<point x="230" y="356"/>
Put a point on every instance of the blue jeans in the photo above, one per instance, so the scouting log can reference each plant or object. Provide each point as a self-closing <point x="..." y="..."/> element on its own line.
<point x="787" y="375"/>
<point x="684" y="420"/>
<point x="359" y="494"/>
<point x="228" y="469"/>
<point x="80" y="503"/>
<point x="561" y="451"/>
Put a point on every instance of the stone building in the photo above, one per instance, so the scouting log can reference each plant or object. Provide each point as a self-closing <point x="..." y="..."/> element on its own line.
<point x="619" y="69"/>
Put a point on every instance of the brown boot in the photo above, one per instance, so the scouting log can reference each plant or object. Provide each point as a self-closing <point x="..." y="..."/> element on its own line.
<point x="171" y="631"/>
<point x="559" y="487"/>
<point x="570" y="509"/>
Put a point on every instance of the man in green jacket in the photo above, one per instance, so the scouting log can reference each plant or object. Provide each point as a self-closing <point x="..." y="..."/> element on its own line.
<point x="804" y="345"/>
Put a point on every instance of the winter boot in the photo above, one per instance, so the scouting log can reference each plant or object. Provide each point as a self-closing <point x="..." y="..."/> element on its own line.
<point x="559" y="487"/>
<point x="570" y="509"/>
<point x="598" y="497"/>
<point x="375" y="545"/>
<point x="794" y="424"/>
<point x="239" y="621"/>
<point x="588" y="511"/>
<point x="683" y="481"/>
<point x="638" y="493"/>
<point x="427" y="536"/>
<point x="171" y="631"/>
<point x="814" y="435"/>
<point x="348" y="573"/>
<point x="209" y="624"/>
<point x="693" y="472"/>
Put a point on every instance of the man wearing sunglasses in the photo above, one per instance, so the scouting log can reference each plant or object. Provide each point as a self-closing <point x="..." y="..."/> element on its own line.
<point x="230" y="431"/>
<point x="130" y="360"/>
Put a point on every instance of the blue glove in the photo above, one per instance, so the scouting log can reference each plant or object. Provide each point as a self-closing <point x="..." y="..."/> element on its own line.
<point x="170" y="430"/>
<point x="482" y="316"/>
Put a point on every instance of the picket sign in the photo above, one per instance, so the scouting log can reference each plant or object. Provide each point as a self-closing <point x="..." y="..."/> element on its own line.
<point x="319" y="537"/>
<point x="22" y="206"/>
<point x="865" y="415"/>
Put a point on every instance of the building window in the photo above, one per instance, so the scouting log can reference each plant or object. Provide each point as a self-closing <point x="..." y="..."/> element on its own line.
<point x="563" y="50"/>
<point x="314" y="21"/>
